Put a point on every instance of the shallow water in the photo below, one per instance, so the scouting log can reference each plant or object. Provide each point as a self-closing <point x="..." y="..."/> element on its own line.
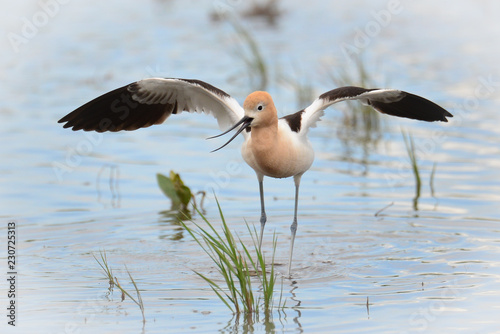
<point x="430" y="265"/>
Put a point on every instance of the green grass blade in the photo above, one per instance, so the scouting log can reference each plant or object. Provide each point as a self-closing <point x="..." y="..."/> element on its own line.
<point x="410" y="148"/>
<point x="234" y="262"/>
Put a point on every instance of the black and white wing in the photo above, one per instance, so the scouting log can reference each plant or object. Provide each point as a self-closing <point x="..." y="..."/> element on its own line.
<point x="388" y="101"/>
<point x="151" y="101"/>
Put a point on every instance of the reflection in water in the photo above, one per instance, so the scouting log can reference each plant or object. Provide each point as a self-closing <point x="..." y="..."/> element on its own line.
<point x="113" y="176"/>
<point x="368" y="307"/>
<point x="174" y="217"/>
<point x="177" y="213"/>
<point x="431" y="186"/>
<point x="248" y="324"/>
<point x="241" y="323"/>
<point x="296" y="307"/>
<point x="234" y="325"/>
<point x="269" y="321"/>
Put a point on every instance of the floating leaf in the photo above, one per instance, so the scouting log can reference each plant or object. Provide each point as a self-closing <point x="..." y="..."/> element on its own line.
<point x="183" y="191"/>
<point x="174" y="188"/>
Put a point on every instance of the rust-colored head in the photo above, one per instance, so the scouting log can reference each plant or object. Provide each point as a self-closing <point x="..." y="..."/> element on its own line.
<point x="260" y="106"/>
<point x="259" y="113"/>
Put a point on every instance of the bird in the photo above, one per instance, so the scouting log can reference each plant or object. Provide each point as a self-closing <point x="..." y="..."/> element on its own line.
<point x="273" y="146"/>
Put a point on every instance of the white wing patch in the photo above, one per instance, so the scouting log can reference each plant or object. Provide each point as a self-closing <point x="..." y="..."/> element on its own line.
<point x="315" y="111"/>
<point x="312" y="115"/>
<point x="189" y="96"/>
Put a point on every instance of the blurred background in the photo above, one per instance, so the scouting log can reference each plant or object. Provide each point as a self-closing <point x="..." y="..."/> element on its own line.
<point x="392" y="237"/>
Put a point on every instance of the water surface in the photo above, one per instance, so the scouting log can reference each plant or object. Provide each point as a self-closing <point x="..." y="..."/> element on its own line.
<point x="426" y="266"/>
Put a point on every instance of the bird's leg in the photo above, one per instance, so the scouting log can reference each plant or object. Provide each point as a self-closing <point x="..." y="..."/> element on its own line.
<point x="263" y="217"/>
<point x="293" y="227"/>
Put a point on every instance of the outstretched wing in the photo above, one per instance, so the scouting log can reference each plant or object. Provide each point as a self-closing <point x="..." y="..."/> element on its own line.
<point x="152" y="101"/>
<point x="388" y="101"/>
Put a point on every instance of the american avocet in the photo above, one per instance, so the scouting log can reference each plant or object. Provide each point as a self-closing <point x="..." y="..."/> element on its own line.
<point x="274" y="147"/>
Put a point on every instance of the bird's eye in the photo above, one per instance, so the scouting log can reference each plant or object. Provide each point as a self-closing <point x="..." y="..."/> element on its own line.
<point x="259" y="107"/>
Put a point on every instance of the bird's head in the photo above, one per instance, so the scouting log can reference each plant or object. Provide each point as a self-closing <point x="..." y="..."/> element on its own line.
<point x="259" y="111"/>
<point x="260" y="107"/>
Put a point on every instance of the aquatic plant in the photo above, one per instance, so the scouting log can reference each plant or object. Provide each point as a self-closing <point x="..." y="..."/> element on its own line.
<point x="431" y="180"/>
<point x="237" y="266"/>
<point x="248" y="50"/>
<point x="360" y="123"/>
<point x="107" y="270"/>
<point x="113" y="281"/>
<point x="410" y="149"/>
<point x="269" y="11"/>
<point x="174" y="188"/>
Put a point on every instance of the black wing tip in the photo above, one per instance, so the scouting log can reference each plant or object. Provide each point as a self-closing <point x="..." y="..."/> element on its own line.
<point x="116" y="111"/>
<point x="435" y="108"/>
<point x="444" y="119"/>
<point x="414" y="107"/>
<point x="447" y="114"/>
<point x="441" y="112"/>
<point x="99" y="129"/>
<point x="65" y="118"/>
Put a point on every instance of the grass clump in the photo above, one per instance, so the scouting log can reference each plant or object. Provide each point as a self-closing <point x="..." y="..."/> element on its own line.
<point x="361" y="124"/>
<point x="410" y="149"/>
<point x="237" y="267"/>
<point x="249" y="52"/>
<point x="113" y="281"/>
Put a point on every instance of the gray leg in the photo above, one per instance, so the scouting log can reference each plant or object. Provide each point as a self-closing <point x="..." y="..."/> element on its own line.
<point x="293" y="227"/>
<point x="263" y="217"/>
